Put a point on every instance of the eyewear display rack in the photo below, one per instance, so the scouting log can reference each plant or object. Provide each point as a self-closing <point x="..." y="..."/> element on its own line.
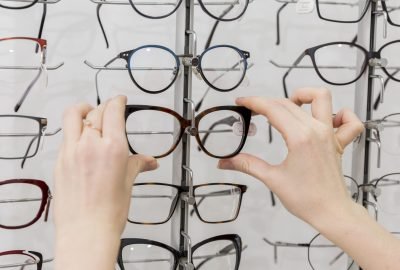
<point x="185" y="42"/>
<point x="364" y="98"/>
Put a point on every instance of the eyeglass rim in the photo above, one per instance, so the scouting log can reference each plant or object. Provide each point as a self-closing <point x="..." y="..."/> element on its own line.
<point x="244" y="56"/>
<point x="22" y="7"/>
<point x="45" y="194"/>
<point x="311" y="53"/>
<point x="184" y="123"/>
<point x="180" y="189"/>
<point x="309" y="253"/>
<point x="42" y="42"/>
<point x="42" y="124"/>
<point x="26" y="253"/>
<point x="234" y="238"/>
<point x="379" y="54"/>
<point x="203" y="7"/>
<point x="129" y="54"/>
<point x="362" y="15"/>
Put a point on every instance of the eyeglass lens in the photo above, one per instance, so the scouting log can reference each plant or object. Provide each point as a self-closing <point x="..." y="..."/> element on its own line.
<point x="324" y="255"/>
<point x="152" y="204"/>
<point x="331" y="59"/>
<point x="223" y="67"/>
<point x="342" y="10"/>
<point x="151" y="62"/>
<point x="19" y="137"/>
<point x="19" y="204"/>
<point x="18" y="262"/>
<point x="18" y="53"/>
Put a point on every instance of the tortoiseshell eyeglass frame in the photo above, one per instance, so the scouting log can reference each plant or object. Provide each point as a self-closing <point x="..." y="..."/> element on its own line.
<point x="185" y="123"/>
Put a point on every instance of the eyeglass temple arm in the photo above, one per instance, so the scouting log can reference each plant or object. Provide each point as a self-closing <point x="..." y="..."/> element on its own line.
<point x="298" y="60"/>
<point x="278" y="244"/>
<point x="97" y="76"/>
<point x="222" y="252"/>
<point x="200" y="103"/>
<point x="378" y="99"/>
<point x="230" y="120"/>
<point x="278" y="23"/>
<point x="42" y="21"/>
<point x="213" y="30"/>
<point x="33" y="140"/>
<point x="98" y="8"/>
<point x="28" y="89"/>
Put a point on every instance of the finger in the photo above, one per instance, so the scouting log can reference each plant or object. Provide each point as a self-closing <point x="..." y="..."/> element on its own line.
<point x="348" y="127"/>
<point x="320" y="100"/>
<point x="94" y="121"/>
<point x="138" y="164"/>
<point x="297" y="111"/>
<point x="73" y="121"/>
<point x="114" y="118"/>
<point x="277" y="115"/>
<point x="251" y="165"/>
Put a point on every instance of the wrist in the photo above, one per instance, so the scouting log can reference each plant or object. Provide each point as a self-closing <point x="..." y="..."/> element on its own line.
<point x="85" y="246"/>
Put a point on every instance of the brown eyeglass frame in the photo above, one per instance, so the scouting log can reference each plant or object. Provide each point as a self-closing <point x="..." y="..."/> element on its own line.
<point x="44" y="205"/>
<point x="185" y="123"/>
<point x="177" y="198"/>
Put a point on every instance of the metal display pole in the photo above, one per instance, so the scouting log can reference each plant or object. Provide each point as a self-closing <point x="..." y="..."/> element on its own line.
<point x="363" y="105"/>
<point x="183" y="93"/>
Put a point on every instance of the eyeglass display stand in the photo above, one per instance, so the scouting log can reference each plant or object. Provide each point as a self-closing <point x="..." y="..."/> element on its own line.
<point x="364" y="95"/>
<point x="183" y="95"/>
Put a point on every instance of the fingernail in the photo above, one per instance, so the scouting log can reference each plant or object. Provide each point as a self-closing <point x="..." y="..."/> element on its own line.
<point x="225" y="165"/>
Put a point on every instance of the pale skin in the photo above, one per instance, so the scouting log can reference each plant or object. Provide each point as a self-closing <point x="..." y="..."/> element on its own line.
<point x="94" y="177"/>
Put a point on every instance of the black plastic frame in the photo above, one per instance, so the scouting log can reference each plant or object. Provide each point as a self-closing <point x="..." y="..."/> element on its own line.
<point x="368" y="55"/>
<point x="234" y="238"/>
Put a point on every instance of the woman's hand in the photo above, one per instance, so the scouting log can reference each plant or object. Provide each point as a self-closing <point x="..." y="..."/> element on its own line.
<point x="94" y="176"/>
<point x="310" y="181"/>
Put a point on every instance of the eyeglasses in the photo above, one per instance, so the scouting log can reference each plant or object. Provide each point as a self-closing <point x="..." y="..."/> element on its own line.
<point x="322" y="254"/>
<point x="21" y="136"/>
<point x="222" y="67"/>
<point x="213" y="203"/>
<point x="23" y="53"/>
<point x="220" y="252"/>
<point x="385" y="192"/>
<point x="221" y="10"/>
<point x="344" y="11"/>
<point x="385" y="133"/>
<point x="23" y="202"/>
<point x="335" y="62"/>
<point x="157" y="131"/>
<point x="14" y="259"/>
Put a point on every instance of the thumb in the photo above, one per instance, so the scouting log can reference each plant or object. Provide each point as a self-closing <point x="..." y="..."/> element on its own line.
<point x="348" y="127"/>
<point x="250" y="165"/>
<point x="140" y="163"/>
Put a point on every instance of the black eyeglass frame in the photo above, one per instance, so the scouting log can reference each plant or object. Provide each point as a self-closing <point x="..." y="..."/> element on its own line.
<point x="234" y="238"/>
<point x="367" y="54"/>
<point x="180" y="190"/>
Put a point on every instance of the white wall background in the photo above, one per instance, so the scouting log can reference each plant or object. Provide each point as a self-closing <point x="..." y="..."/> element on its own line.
<point x="73" y="35"/>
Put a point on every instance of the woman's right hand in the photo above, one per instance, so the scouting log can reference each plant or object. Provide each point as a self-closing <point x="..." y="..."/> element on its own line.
<point x="309" y="182"/>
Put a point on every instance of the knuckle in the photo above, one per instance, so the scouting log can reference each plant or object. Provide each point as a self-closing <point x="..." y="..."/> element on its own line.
<point x="114" y="148"/>
<point x="245" y="166"/>
<point x="325" y="93"/>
